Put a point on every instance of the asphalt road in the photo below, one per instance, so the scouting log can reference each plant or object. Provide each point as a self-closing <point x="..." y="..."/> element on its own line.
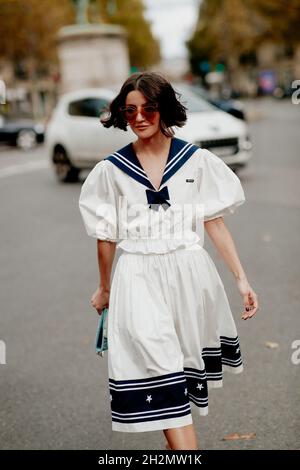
<point x="53" y="387"/>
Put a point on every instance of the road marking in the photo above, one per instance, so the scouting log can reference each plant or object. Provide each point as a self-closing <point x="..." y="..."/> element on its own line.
<point x="23" y="168"/>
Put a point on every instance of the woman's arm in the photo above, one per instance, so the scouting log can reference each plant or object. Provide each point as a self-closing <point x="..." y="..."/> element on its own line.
<point x="106" y="253"/>
<point x="221" y="237"/>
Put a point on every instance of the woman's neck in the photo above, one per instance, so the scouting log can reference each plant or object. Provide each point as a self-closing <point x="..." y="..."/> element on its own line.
<point x="152" y="145"/>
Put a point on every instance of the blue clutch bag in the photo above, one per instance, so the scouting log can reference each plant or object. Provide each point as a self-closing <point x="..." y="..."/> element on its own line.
<point x="101" y="343"/>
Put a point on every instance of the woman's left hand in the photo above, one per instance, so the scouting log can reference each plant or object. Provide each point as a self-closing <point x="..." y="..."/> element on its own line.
<point x="250" y="299"/>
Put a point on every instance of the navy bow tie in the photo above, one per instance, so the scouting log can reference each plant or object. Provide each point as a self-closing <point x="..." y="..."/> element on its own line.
<point x="155" y="198"/>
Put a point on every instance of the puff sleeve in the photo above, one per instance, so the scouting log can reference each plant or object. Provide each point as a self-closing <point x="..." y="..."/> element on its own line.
<point x="220" y="189"/>
<point x="98" y="204"/>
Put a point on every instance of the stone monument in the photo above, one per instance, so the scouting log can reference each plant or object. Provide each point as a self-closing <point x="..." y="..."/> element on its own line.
<point x="92" y="55"/>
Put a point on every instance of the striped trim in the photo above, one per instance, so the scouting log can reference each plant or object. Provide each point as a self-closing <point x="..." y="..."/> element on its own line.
<point x="227" y="353"/>
<point x="169" y="395"/>
<point x="173" y="160"/>
<point x="148" y="381"/>
<point x="136" y="168"/>
<point x="178" y="160"/>
<point x="130" y="168"/>
<point x="197" y="386"/>
<point x="179" y="408"/>
<point x="145" y="386"/>
<point x="154" y="398"/>
<point x="201" y="402"/>
<point x="163" y="413"/>
<point x="127" y="161"/>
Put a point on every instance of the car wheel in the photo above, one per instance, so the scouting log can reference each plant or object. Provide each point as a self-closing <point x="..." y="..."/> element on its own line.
<point x="64" y="170"/>
<point x="26" y="139"/>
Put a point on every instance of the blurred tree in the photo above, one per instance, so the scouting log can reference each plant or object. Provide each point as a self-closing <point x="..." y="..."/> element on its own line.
<point x="28" y="30"/>
<point x="144" y="49"/>
<point x="227" y="30"/>
<point x="282" y="19"/>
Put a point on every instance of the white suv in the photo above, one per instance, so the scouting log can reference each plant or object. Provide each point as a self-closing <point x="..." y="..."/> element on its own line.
<point x="77" y="140"/>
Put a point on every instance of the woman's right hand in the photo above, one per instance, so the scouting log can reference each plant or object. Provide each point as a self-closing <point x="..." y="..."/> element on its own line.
<point x="100" y="299"/>
<point x="249" y="297"/>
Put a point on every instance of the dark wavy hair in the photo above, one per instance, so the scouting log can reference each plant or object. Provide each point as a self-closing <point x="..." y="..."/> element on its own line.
<point x="155" y="88"/>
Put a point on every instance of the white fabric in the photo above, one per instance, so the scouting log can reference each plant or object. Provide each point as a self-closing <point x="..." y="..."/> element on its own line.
<point x="98" y="203"/>
<point x="219" y="187"/>
<point x="166" y="312"/>
<point x="108" y="192"/>
<point x="171" y="333"/>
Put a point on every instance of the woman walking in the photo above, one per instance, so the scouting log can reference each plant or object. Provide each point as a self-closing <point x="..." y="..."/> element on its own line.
<point x="171" y="332"/>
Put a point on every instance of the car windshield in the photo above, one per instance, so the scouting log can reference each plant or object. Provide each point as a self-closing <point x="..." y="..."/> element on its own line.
<point x="193" y="102"/>
<point x="88" y="107"/>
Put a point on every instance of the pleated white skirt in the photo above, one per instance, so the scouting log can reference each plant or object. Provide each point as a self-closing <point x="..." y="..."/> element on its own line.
<point x="171" y="334"/>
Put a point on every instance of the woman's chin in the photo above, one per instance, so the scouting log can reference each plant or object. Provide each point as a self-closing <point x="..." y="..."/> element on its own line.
<point x="145" y="133"/>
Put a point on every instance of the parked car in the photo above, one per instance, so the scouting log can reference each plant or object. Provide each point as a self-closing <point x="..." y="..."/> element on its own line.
<point x="283" y="91"/>
<point x="24" y="134"/>
<point x="230" y="106"/>
<point x="213" y="129"/>
<point x="76" y="140"/>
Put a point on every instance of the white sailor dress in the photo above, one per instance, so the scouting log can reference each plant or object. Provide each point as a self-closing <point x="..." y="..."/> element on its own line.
<point x="171" y="332"/>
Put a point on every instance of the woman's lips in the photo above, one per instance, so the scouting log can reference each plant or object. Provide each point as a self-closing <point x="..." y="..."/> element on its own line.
<point x="141" y="128"/>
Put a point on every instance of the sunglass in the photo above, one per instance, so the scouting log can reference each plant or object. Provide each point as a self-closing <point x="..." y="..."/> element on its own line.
<point x="130" y="112"/>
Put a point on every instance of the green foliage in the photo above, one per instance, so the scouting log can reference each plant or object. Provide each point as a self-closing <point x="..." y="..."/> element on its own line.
<point x="28" y="29"/>
<point x="143" y="47"/>
<point x="228" y="29"/>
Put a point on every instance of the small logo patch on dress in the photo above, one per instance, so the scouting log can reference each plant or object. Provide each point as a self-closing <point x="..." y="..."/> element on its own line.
<point x="189" y="181"/>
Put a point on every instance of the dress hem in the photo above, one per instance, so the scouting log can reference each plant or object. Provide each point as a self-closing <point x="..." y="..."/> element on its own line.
<point x="154" y="426"/>
<point x="176" y="422"/>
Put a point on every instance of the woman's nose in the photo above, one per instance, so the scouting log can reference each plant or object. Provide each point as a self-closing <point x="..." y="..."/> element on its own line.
<point x="139" y="116"/>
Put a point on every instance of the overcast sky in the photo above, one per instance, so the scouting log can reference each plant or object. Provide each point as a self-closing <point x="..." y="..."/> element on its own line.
<point x="172" y="23"/>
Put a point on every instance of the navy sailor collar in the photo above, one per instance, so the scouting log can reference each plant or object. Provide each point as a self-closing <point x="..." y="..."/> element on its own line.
<point x="126" y="159"/>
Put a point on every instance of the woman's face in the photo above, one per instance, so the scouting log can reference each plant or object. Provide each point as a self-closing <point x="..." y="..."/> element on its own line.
<point x="144" y="121"/>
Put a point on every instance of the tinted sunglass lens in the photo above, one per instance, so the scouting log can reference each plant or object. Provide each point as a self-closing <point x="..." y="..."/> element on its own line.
<point x="149" y="111"/>
<point x="130" y="113"/>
